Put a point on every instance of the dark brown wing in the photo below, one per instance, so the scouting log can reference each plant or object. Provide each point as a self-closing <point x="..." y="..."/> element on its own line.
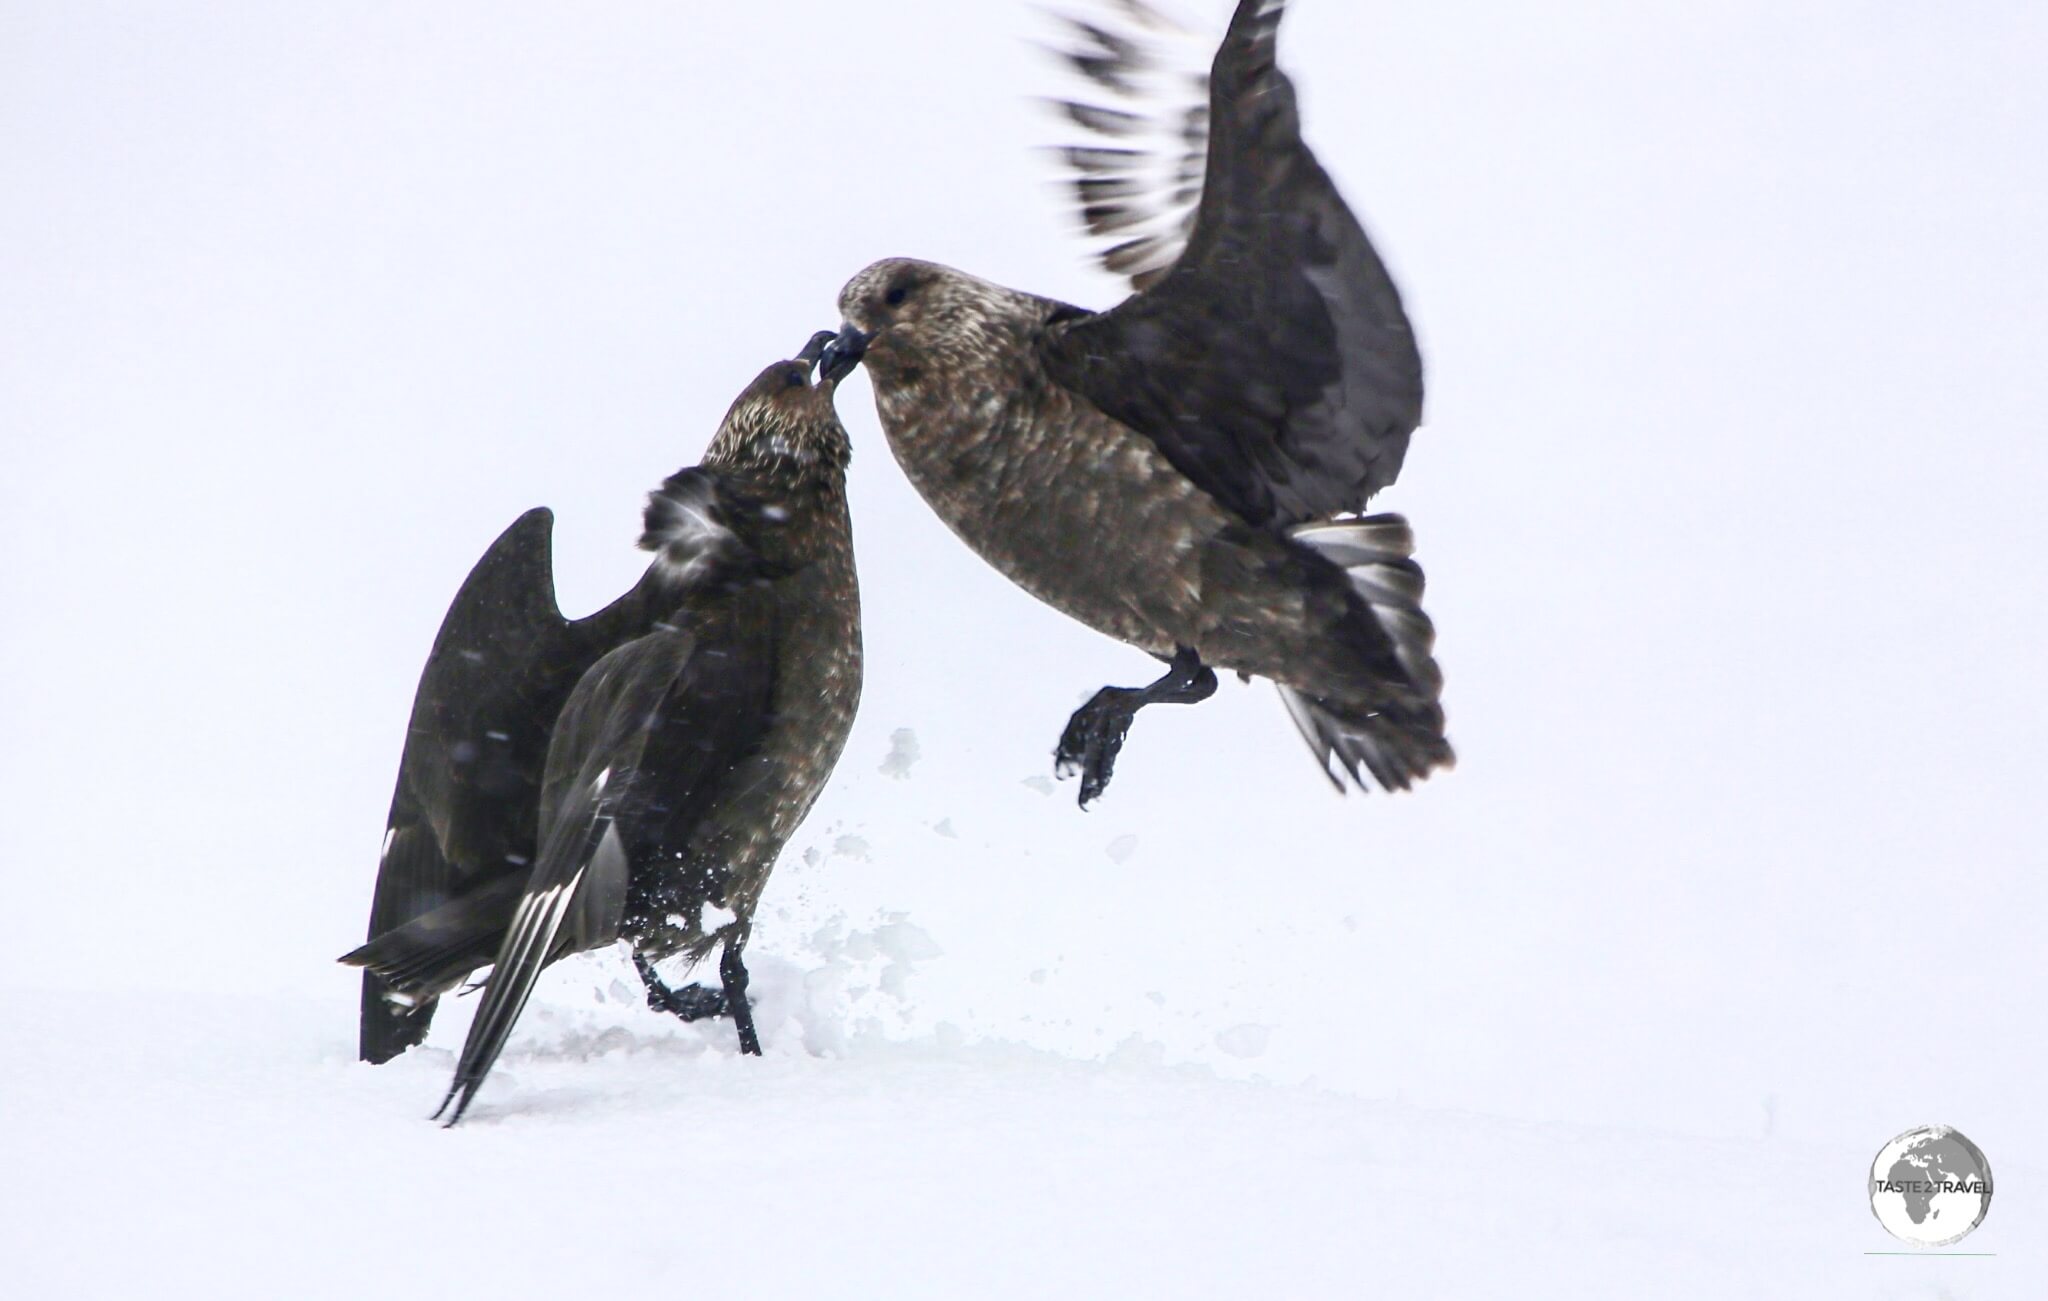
<point x="644" y="753"/>
<point x="465" y="813"/>
<point x="1273" y="363"/>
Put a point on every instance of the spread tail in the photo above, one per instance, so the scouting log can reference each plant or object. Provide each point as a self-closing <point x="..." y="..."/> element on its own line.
<point x="1400" y="741"/>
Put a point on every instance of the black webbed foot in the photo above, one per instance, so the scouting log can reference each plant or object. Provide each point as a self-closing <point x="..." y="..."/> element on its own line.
<point x="1096" y="732"/>
<point x="691" y="1002"/>
<point x="1093" y="739"/>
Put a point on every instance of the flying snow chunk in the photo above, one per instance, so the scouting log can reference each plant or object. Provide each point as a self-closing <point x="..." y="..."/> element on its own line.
<point x="905" y="941"/>
<point x="904" y="752"/>
<point x="905" y="944"/>
<point x="1245" y="1041"/>
<point x="1121" y="849"/>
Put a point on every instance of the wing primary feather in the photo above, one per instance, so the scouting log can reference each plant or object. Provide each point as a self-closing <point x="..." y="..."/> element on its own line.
<point x="1104" y="189"/>
<point x="1137" y="256"/>
<point x="1101" y="160"/>
<point x="1102" y="121"/>
<point x="1146" y="104"/>
<point x="1111" y="218"/>
<point x="1104" y="57"/>
<point x="1148" y="16"/>
<point x="529" y="944"/>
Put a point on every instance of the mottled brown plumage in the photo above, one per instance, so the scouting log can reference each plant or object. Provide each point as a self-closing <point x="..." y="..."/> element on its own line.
<point x="1176" y="472"/>
<point x="667" y="749"/>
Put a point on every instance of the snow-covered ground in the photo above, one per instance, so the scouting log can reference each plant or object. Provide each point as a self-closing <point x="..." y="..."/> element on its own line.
<point x="232" y="1148"/>
<point x="1730" y="498"/>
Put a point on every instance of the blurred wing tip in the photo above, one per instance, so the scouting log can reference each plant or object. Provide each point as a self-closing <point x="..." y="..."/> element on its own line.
<point x="1116" y="123"/>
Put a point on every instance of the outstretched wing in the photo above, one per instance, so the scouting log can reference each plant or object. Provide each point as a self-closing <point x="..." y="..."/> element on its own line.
<point x="465" y="812"/>
<point x="640" y="758"/>
<point x="1138" y="179"/>
<point x="464" y="807"/>
<point x="1272" y="363"/>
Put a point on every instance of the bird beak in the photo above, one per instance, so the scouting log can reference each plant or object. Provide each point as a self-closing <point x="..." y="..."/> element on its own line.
<point x="844" y="353"/>
<point x="815" y="349"/>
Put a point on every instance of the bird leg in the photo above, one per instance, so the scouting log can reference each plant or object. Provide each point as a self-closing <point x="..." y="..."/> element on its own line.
<point x="1096" y="732"/>
<point x="734" y="973"/>
<point x="691" y="1002"/>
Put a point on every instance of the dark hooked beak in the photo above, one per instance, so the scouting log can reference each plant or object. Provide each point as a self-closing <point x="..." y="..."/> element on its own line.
<point x="844" y="353"/>
<point x="815" y="348"/>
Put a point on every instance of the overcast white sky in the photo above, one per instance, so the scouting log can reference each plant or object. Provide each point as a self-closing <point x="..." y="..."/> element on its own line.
<point x="1730" y="498"/>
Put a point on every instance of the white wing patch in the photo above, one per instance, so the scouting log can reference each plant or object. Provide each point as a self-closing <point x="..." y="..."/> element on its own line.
<point x="686" y="530"/>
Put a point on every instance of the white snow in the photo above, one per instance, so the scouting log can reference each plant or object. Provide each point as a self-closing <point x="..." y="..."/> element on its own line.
<point x="1245" y="1041"/>
<point x="903" y="754"/>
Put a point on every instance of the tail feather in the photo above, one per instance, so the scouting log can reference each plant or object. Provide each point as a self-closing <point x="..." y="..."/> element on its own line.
<point x="1401" y="741"/>
<point x="1396" y="747"/>
<point x="1377" y="554"/>
<point x="432" y="953"/>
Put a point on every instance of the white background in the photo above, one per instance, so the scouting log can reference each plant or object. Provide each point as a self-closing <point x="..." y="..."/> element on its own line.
<point x="1730" y="496"/>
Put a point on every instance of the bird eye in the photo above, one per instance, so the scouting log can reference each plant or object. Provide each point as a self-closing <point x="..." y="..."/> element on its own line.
<point x="795" y="379"/>
<point x="896" y="296"/>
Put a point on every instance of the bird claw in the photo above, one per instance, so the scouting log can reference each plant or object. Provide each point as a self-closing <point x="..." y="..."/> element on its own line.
<point x="690" y="1003"/>
<point x="1092" y="741"/>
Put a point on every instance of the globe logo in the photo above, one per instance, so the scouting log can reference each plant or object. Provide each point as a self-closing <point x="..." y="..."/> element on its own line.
<point x="1930" y="1186"/>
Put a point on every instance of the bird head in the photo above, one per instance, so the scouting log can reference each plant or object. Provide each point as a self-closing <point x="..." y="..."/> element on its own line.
<point x="900" y="309"/>
<point x="782" y="418"/>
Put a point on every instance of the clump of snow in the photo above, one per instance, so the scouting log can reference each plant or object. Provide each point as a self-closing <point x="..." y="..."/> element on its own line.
<point x="860" y="985"/>
<point x="1245" y="1041"/>
<point x="905" y="944"/>
<point x="944" y="827"/>
<point x="853" y="847"/>
<point x="1043" y="785"/>
<point x="1136" y="1050"/>
<point x="1121" y="849"/>
<point x="904" y="753"/>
